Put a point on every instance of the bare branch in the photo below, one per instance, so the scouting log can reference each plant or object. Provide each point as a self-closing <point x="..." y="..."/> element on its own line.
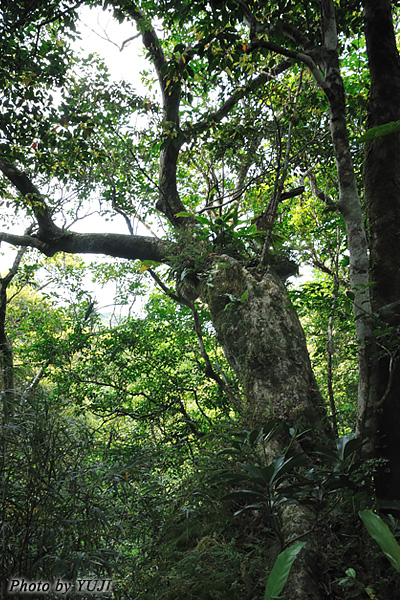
<point x="51" y="239"/>
<point x="23" y="240"/>
<point x="230" y="197"/>
<point x="193" y="130"/>
<point x="271" y="210"/>
<point x="301" y="57"/>
<point x="209" y="371"/>
<point x="108" y="39"/>
<point x="36" y="380"/>
<point x="166" y="289"/>
<point x="6" y="280"/>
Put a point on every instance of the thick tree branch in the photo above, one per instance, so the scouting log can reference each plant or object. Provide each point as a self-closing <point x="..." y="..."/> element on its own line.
<point x="52" y="239"/>
<point x="132" y="247"/>
<point x="169" y="77"/>
<point x="297" y="36"/>
<point x="26" y="241"/>
<point x="152" y="45"/>
<point x="329" y="29"/>
<point x="32" y="197"/>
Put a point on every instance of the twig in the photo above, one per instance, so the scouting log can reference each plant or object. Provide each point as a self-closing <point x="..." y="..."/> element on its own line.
<point x="209" y="371"/>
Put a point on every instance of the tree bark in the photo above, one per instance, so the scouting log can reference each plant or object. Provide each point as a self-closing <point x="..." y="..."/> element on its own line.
<point x="323" y="62"/>
<point x="265" y="344"/>
<point x="382" y="197"/>
<point x="6" y="354"/>
<point x="351" y="210"/>
<point x="7" y="385"/>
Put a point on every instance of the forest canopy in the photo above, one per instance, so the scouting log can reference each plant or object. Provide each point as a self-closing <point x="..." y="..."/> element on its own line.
<point x="232" y="432"/>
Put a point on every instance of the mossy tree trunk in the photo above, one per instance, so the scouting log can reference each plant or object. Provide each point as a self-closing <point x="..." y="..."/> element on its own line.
<point x="265" y="344"/>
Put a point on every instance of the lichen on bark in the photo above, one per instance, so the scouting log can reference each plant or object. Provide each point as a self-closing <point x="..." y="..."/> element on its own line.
<point x="264" y="343"/>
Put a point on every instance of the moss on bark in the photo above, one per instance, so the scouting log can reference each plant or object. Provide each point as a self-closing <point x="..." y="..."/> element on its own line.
<point x="264" y="342"/>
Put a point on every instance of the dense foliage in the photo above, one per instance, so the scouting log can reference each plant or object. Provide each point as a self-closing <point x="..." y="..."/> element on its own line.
<point x="143" y="445"/>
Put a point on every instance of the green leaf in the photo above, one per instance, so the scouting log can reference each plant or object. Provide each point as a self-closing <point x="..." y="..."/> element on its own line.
<point x="253" y="436"/>
<point x="244" y="296"/>
<point x="380" y="131"/>
<point x="381" y="533"/>
<point x="179" y="48"/>
<point x="268" y="428"/>
<point x="248" y="507"/>
<point x="352" y="447"/>
<point x="327" y="453"/>
<point x="228" y="451"/>
<point x="348" y="446"/>
<point x="280" y="571"/>
<point x="254" y="472"/>
<point x="244" y="494"/>
<point x="282" y="466"/>
<point x="203" y="220"/>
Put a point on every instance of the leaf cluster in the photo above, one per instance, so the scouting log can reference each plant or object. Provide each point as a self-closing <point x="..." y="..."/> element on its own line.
<point x="287" y="479"/>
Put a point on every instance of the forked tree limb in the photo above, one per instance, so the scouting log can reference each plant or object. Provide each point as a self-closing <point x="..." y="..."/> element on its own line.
<point x="51" y="239"/>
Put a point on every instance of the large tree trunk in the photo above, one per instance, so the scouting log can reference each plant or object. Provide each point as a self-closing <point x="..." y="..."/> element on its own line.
<point x="382" y="195"/>
<point x="265" y="344"/>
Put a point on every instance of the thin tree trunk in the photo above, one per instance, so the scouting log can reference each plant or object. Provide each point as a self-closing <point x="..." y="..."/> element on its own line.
<point x="330" y="349"/>
<point x="6" y="352"/>
<point x="351" y="211"/>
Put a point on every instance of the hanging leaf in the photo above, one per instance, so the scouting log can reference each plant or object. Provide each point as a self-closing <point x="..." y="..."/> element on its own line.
<point x="381" y="533"/>
<point x="280" y="571"/>
<point x="380" y="131"/>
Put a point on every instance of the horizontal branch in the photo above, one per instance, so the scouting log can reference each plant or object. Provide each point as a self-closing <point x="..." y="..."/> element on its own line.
<point x="50" y="239"/>
<point x="26" y="241"/>
<point x="133" y="247"/>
